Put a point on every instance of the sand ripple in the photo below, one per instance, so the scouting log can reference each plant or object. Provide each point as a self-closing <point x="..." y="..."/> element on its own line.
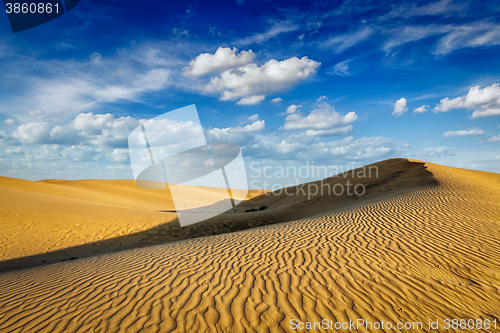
<point x="426" y="254"/>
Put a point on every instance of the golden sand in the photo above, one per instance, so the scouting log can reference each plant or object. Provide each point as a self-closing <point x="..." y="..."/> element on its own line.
<point x="422" y="245"/>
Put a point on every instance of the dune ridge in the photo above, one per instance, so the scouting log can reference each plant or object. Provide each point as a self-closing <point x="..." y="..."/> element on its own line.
<point x="415" y="255"/>
<point x="57" y="220"/>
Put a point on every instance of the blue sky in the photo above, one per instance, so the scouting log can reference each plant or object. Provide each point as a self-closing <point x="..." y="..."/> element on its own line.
<point x="343" y="83"/>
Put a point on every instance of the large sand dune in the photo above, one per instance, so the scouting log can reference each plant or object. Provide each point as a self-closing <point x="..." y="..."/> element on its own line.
<point x="55" y="220"/>
<point x="421" y="245"/>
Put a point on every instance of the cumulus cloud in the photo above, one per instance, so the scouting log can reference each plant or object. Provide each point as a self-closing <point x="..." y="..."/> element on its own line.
<point x="469" y="132"/>
<point x="254" y="117"/>
<point x="224" y="58"/>
<point x="323" y="120"/>
<point x="493" y="139"/>
<point x="303" y="147"/>
<point x="340" y="131"/>
<point x="33" y="133"/>
<point x="292" y="109"/>
<point x="98" y="129"/>
<point x="251" y="100"/>
<point x="242" y="135"/>
<point x="277" y="100"/>
<point x="256" y="126"/>
<point x="488" y="112"/>
<point x="16" y="151"/>
<point x="8" y="121"/>
<point x="7" y="139"/>
<point x="400" y="107"/>
<point x="421" y="109"/>
<point x="252" y="80"/>
<point x="37" y="112"/>
<point x="486" y="100"/>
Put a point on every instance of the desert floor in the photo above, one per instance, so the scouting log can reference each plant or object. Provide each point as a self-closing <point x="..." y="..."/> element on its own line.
<point x="421" y="245"/>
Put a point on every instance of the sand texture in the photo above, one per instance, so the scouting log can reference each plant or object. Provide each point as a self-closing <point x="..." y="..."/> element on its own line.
<point x="55" y="220"/>
<point x="422" y="244"/>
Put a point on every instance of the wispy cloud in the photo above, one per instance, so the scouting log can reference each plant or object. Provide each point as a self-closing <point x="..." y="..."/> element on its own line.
<point x="451" y="37"/>
<point x="343" y="42"/>
<point x="407" y="10"/>
<point x="251" y="100"/>
<point x="341" y="69"/>
<point x="434" y="152"/>
<point x="470" y="132"/>
<point x="274" y="30"/>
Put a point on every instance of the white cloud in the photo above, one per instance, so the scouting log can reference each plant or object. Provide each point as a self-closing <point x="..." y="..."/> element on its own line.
<point x="469" y="132"/>
<point x="65" y="88"/>
<point x="341" y="131"/>
<point x="421" y="109"/>
<point x="494" y="139"/>
<point x="99" y="129"/>
<point x="95" y="58"/>
<point x="323" y="120"/>
<point x="224" y="58"/>
<point x="251" y="80"/>
<point x="243" y="135"/>
<point x="37" y="112"/>
<point x="16" y="151"/>
<point x="341" y="69"/>
<point x="486" y="99"/>
<point x="8" y="121"/>
<point x="400" y="107"/>
<point x="256" y="126"/>
<point x="253" y="118"/>
<point x="343" y="42"/>
<point x="469" y="36"/>
<point x="303" y="147"/>
<point x="7" y="139"/>
<point x="251" y="100"/>
<point x="277" y="100"/>
<point x="442" y="7"/>
<point x="79" y="94"/>
<point x="452" y="37"/>
<point x="273" y="31"/>
<point x="33" y="133"/>
<point x="81" y="153"/>
<point x="290" y="109"/>
<point x="119" y="155"/>
<point x="434" y="151"/>
<point x="489" y="112"/>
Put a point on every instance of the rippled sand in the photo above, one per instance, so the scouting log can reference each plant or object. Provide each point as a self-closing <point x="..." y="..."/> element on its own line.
<point x="429" y="252"/>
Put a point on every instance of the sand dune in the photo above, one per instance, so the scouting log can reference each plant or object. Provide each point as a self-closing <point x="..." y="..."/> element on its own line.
<point x="422" y="245"/>
<point x="49" y="216"/>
